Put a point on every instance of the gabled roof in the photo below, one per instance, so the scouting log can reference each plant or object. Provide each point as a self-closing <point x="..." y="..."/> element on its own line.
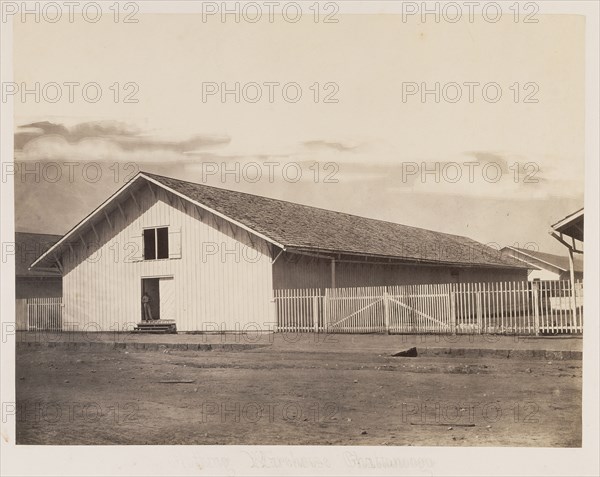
<point x="557" y="261"/>
<point x="28" y="247"/>
<point x="304" y="229"/>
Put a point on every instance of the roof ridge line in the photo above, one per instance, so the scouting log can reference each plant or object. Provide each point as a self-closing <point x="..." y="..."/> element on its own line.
<point x="310" y="206"/>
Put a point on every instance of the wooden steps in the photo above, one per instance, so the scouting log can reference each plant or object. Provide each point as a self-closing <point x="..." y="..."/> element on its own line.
<point x="156" y="327"/>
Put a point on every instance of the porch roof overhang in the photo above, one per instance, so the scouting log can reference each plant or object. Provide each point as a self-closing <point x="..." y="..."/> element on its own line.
<point x="569" y="230"/>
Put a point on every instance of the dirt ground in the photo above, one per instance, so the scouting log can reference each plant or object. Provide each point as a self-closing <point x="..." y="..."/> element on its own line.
<point x="274" y="395"/>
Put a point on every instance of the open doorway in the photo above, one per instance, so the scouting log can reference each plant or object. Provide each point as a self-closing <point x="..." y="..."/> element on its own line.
<point x="150" y="299"/>
<point x="158" y="299"/>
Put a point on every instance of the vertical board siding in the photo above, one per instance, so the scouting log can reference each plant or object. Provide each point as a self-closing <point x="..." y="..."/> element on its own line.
<point x="222" y="282"/>
<point x="302" y="272"/>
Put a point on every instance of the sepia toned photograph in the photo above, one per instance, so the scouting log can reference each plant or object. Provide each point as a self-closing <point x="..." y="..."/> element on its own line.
<point x="299" y="238"/>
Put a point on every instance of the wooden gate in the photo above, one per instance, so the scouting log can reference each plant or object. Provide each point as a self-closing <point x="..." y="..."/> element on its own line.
<point x="421" y="309"/>
<point x="355" y="310"/>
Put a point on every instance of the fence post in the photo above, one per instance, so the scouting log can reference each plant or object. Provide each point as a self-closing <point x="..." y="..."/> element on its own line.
<point x="386" y="310"/>
<point x="326" y="310"/>
<point x="274" y="312"/>
<point x="580" y="308"/>
<point x="535" y="298"/>
<point x="452" y="294"/>
<point x="315" y="311"/>
<point x="479" y="310"/>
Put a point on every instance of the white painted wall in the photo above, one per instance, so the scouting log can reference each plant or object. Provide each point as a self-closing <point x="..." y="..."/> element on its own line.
<point x="222" y="281"/>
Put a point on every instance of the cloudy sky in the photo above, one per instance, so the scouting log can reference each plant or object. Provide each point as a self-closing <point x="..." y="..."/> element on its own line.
<point x="364" y="153"/>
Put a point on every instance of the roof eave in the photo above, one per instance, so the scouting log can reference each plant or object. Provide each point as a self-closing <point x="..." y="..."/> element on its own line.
<point x="55" y="248"/>
<point x="538" y="259"/>
<point x="568" y="219"/>
<point x="407" y="260"/>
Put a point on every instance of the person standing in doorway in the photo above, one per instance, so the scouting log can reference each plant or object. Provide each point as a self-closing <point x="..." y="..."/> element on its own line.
<point x="146" y="309"/>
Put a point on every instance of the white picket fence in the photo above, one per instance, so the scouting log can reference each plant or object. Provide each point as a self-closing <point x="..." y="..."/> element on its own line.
<point x="44" y="314"/>
<point x="299" y="309"/>
<point x="544" y="307"/>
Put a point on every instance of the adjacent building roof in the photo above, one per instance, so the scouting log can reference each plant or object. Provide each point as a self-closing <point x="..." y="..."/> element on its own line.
<point x="28" y="247"/>
<point x="557" y="261"/>
<point x="304" y="229"/>
<point x="571" y="225"/>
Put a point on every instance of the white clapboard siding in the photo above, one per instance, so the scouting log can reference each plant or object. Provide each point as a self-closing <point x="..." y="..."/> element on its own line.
<point x="222" y="281"/>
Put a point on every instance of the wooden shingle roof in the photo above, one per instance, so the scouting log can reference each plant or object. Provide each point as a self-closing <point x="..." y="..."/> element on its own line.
<point x="303" y="228"/>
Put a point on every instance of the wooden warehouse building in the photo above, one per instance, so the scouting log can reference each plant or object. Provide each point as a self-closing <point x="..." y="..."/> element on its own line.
<point x="208" y="256"/>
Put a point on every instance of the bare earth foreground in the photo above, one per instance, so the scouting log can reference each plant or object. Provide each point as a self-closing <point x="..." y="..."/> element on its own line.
<point x="338" y="390"/>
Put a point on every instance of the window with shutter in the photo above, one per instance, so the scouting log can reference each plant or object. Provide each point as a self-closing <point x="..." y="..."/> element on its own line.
<point x="160" y="243"/>
<point x="175" y="242"/>
<point x="134" y="249"/>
